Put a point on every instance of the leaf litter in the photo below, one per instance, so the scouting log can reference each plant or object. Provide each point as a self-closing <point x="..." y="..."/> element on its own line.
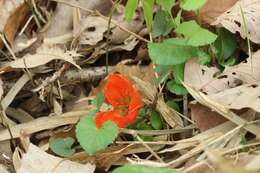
<point x="55" y="57"/>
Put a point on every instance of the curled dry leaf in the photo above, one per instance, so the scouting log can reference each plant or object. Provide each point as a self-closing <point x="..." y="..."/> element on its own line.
<point x="36" y="160"/>
<point x="6" y="8"/>
<point x="12" y="19"/>
<point x="90" y="30"/>
<point x="44" y="55"/>
<point x="234" y="22"/>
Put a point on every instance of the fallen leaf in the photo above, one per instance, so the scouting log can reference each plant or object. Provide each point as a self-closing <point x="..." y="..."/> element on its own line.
<point x="90" y="30"/>
<point x="205" y="118"/>
<point x="44" y="55"/>
<point x="202" y="78"/>
<point x="212" y="9"/>
<point x="209" y="79"/>
<point x="42" y="123"/>
<point x="16" y="18"/>
<point x="145" y="73"/>
<point x="3" y="169"/>
<point x="36" y="160"/>
<point x="222" y="110"/>
<point x="62" y="21"/>
<point x="245" y="96"/>
<point x="234" y="22"/>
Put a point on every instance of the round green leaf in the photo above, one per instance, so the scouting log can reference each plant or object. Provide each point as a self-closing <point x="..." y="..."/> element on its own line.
<point x="176" y="88"/>
<point x="156" y="120"/>
<point x="62" y="146"/>
<point x="171" y="52"/>
<point x="93" y="139"/>
<point x="173" y="105"/>
<point x="194" y="34"/>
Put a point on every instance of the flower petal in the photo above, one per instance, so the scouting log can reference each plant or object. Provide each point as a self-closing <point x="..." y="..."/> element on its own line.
<point x="117" y="90"/>
<point x="113" y="116"/>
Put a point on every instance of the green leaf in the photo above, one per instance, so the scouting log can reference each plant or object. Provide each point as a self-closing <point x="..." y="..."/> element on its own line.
<point x="178" y="72"/>
<point x="162" y="24"/>
<point x="228" y="62"/>
<point x="225" y="44"/>
<point x="93" y="139"/>
<point x="62" y="146"/>
<point x="177" y="19"/>
<point x="192" y="5"/>
<point x="156" y="120"/>
<point x="130" y="9"/>
<point x="142" y="169"/>
<point x="203" y="57"/>
<point x="98" y="100"/>
<point x="148" y="12"/>
<point x="194" y="34"/>
<point x="171" y="52"/>
<point x="166" y="4"/>
<point x="176" y="88"/>
<point x="173" y="105"/>
<point x="163" y="72"/>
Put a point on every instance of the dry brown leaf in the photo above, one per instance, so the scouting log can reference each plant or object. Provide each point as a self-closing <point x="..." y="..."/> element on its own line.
<point x="62" y="21"/>
<point x="245" y="96"/>
<point x="118" y="35"/>
<point x="36" y="160"/>
<point x="202" y="78"/>
<point x="205" y="118"/>
<point x="44" y="55"/>
<point x="40" y="124"/>
<point x="145" y="73"/>
<point x="222" y="110"/>
<point x="209" y="80"/>
<point x="90" y="30"/>
<point x="3" y="169"/>
<point x="233" y="19"/>
<point x="212" y="9"/>
<point x="254" y="165"/>
<point x="207" y="167"/>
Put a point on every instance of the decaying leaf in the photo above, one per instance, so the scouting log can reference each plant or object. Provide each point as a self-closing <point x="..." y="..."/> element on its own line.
<point x="244" y="96"/>
<point x="90" y="30"/>
<point x="222" y="110"/>
<point x="145" y="73"/>
<point x="44" y="55"/>
<point x="6" y="8"/>
<point x="205" y="118"/>
<point x="62" y="21"/>
<point x="16" y="18"/>
<point x="209" y="79"/>
<point x="42" y="123"/>
<point x="212" y="9"/>
<point x="202" y="78"/>
<point x="36" y="160"/>
<point x="3" y="169"/>
<point x="234" y="22"/>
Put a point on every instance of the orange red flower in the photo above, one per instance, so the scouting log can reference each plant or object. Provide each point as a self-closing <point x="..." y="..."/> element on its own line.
<point x="125" y="100"/>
